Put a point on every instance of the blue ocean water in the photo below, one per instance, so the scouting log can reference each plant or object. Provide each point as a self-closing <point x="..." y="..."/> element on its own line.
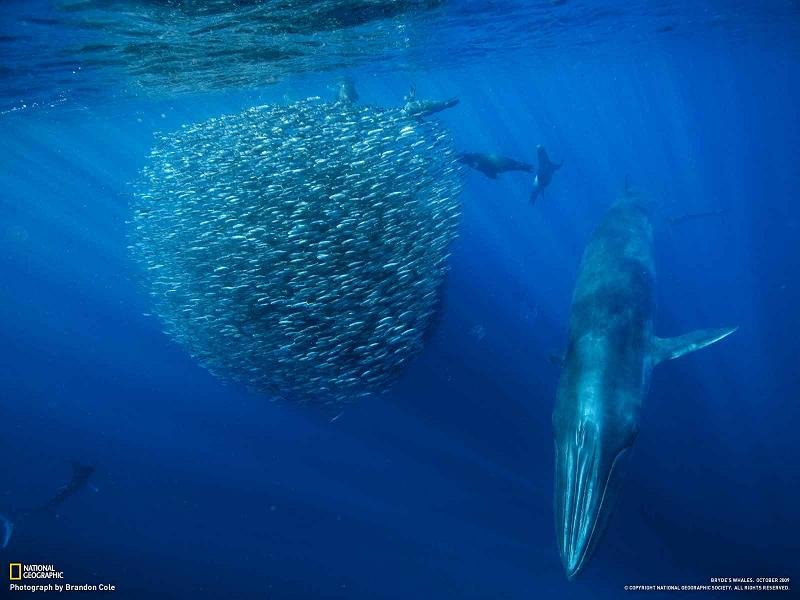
<point x="443" y="486"/>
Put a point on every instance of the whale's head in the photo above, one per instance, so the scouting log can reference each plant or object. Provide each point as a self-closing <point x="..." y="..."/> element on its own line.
<point x="591" y="451"/>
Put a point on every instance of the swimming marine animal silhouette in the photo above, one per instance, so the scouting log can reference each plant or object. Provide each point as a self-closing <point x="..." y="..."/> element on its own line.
<point x="606" y="372"/>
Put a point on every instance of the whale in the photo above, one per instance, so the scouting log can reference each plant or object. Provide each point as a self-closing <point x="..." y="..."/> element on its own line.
<point x="605" y="375"/>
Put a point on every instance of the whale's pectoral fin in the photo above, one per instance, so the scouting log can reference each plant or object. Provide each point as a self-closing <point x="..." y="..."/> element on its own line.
<point x="674" y="347"/>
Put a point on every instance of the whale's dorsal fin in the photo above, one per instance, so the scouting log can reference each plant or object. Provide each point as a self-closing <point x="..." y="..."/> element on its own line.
<point x="675" y="347"/>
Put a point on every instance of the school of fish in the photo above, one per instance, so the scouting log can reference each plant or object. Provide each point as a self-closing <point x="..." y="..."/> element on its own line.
<point x="299" y="249"/>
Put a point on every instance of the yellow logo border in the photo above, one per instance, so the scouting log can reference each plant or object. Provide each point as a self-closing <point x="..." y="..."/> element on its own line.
<point x="11" y="571"/>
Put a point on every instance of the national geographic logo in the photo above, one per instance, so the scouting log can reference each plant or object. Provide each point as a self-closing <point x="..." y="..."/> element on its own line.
<point x="19" y="571"/>
<point x="40" y="573"/>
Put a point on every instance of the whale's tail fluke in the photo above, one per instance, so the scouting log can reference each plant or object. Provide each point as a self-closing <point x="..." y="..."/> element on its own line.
<point x="6" y="529"/>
